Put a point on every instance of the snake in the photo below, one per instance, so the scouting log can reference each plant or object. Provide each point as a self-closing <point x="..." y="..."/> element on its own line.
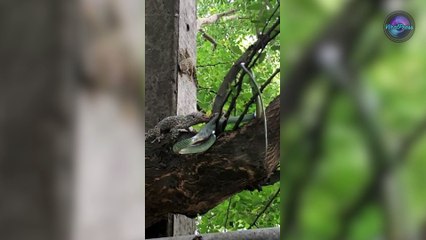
<point x="204" y="139"/>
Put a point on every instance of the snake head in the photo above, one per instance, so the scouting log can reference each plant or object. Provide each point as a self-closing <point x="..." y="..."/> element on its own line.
<point x="206" y="131"/>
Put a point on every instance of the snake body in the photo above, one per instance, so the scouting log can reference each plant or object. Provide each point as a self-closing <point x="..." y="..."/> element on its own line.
<point x="203" y="140"/>
<point x="186" y="147"/>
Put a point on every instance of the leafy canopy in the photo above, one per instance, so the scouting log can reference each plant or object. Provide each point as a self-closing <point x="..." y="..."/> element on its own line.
<point x="233" y="36"/>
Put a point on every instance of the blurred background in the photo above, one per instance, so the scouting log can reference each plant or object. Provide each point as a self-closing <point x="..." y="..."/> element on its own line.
<point x="353" y="133"/>
<point x="71" y="120"/>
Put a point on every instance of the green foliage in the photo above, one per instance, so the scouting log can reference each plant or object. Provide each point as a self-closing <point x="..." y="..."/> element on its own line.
<point x="243" y="210"/>
<point x="394" y="89"/>
<point x="234" y="36"/>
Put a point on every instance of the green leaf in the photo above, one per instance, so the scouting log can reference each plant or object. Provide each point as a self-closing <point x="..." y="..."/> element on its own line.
<point x="236" y="49"/>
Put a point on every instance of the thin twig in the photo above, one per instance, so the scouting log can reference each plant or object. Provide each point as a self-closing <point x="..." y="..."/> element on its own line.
<point x="265" y="208"/>
<point x="214" y="64"/>
<point x="214" y="18"/>
<point x="270" y="17"/>
<point x="276" y="24"/>
<point x="240" y="80"/>
<point x="233" y="103"/>
<point x="227" y="212"/>
<point x="208" y="38"/>
<point x="246" y="57"/>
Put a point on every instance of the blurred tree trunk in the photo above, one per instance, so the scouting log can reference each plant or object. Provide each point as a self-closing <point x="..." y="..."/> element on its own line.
<point x="36" y="91"/>
<point x="67" y="150"/>
<point x="109" y="169"/>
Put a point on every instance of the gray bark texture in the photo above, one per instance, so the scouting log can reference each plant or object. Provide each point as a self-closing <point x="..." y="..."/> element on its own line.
<point x="170" y="86"/>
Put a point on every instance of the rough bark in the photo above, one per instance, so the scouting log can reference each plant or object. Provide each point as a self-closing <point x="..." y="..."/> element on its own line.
<point x="194" y="184"/>
<point x="171" y="56"/>
<point x="186" y="88"/>
<point x="161" y="65"/>
<point x="161" y="79"/>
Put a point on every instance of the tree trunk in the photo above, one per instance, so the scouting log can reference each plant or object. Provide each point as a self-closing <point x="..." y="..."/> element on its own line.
<point x="171" y="28"/>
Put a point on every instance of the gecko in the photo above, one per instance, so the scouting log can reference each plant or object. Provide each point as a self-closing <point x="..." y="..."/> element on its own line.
<point x="175" y="124"/>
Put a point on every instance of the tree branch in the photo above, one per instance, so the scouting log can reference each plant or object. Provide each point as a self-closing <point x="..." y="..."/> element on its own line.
<point x="178" y="183"/>
<point x="214" y="64"/>
<point x="274" y="178"/>
<point x="228" y="15"/>
<point x="409" y="141"/>
<point x="297" y="184"/>
<point x="340" y="31"/>
<point x="254" y="97"/>
<point x="265" y="208"/>
<point x="247" y="58"/>
<point x="208" y="38"/>
<point x="214" y="18"/>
